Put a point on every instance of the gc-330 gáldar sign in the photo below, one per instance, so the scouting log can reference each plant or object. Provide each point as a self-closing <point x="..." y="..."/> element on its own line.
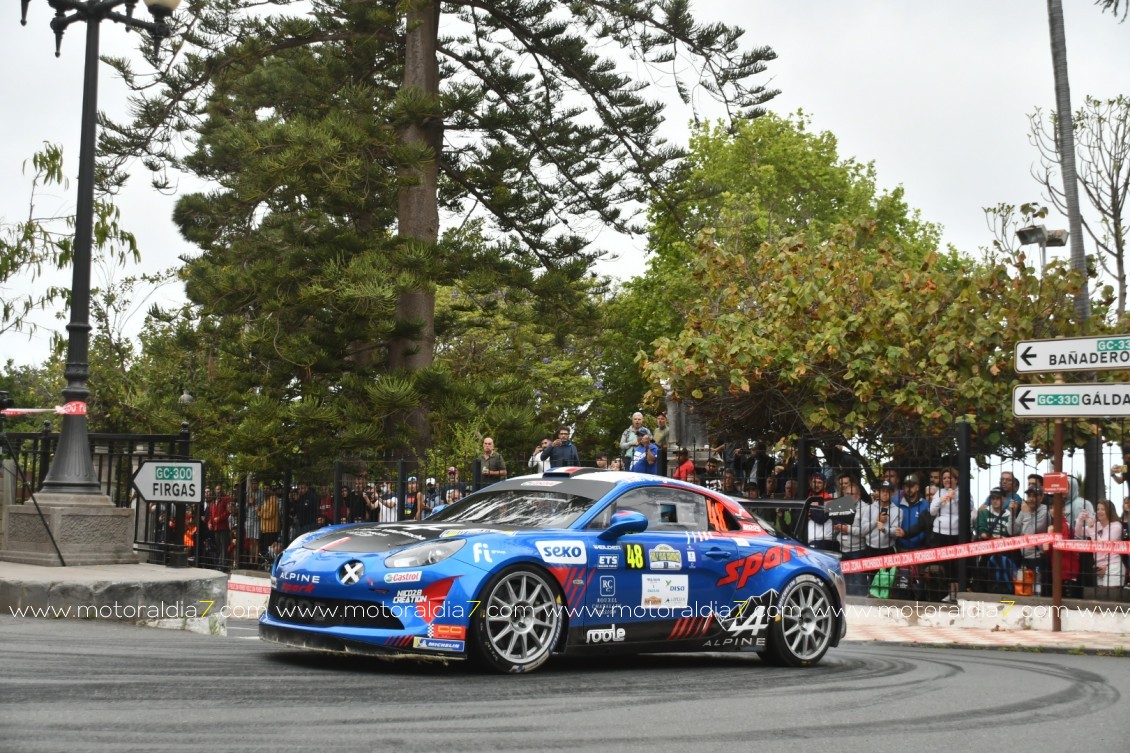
<point x="1071" y="400"/>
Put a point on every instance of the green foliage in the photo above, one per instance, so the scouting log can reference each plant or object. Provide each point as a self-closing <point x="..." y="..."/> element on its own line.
<point x="39" y="245"/>
<point x="753" y="183"/>
<point x="878" y="347"/>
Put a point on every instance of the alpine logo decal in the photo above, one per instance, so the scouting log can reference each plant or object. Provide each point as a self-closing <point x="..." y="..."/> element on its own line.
<point x="745" y="626"/>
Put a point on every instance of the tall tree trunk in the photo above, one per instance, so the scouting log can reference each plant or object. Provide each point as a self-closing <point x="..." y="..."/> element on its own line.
<point x="1067" y="153"/>
<point x="418" y="204"/>
<point x="1065" y="125"/>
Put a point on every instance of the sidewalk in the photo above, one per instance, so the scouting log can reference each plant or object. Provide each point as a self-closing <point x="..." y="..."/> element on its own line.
<point x="989" y="621"/>
<point x="151" y="595"/>
<point x="1083" y="642"/>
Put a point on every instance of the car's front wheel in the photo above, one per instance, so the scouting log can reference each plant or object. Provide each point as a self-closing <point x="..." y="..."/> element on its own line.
<point x="802" y="625"/>
<point x="518" y="622"/>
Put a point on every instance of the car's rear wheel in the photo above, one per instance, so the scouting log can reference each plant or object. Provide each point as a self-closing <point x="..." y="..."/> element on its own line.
<point x="803" y="624"/>
<point x="518" y="622"/>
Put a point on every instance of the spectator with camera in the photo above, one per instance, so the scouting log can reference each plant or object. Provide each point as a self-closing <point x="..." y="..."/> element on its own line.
<point x="561" y="452"/>
<point x="1103" y="525"/>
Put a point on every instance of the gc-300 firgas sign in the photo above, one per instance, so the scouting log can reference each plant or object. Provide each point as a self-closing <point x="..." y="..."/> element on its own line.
<point x="170" y="481"/>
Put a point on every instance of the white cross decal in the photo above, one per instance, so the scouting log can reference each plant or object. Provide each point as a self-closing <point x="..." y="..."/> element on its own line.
<point x="351" y="572"/>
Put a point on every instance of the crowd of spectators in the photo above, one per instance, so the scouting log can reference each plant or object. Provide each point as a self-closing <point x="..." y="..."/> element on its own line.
<point x="901" y="510"/>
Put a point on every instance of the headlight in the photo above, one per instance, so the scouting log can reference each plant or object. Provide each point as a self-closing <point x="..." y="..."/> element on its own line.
<point x="428" y="553"/>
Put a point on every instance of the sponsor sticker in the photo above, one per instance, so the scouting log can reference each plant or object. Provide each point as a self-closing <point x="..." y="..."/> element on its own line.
<point x="665" y="557"/>
<point x="610" y="634"/>
<point x="467" y="532"/>
<point x="540" y="482"/>
<point x="608" y="561"/>
<point x="741" y="571"/>
<point x="410" y="596"/>
<point x="411" y="576"/>
<point x="607" y="585"/>
<point x="437" y="644"/>
<point x="564" y="552"/>
<point x="447" y="632"/>
<point x="664" y="591"/>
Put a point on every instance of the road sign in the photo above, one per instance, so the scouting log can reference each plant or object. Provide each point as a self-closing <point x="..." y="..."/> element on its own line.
<point x="1073" y="354"/>
<point x="170" y="481"/>
<point x="1071" y="400"/>
<point x="1056" y="483"/>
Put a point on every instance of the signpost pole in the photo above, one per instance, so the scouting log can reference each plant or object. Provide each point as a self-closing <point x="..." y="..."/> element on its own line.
<point x="1057" y="517"/>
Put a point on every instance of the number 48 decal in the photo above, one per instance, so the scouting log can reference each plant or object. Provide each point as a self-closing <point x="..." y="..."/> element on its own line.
<point x="633" y="554"/>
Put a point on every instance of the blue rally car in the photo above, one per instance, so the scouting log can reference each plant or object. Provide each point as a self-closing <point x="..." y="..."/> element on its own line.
<point x="572" y="561"/>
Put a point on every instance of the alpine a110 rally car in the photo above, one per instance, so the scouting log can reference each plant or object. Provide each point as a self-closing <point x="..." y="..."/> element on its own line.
<point x="572" y="561"/>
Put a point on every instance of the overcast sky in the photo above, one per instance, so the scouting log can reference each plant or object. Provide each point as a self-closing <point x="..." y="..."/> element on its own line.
<point x="936" y="94"/>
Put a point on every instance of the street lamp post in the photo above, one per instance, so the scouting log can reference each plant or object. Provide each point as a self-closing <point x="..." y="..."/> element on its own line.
<point x="72" y="470"/>
<point x="70" y="521"/>
<point x="1041" y="235"/>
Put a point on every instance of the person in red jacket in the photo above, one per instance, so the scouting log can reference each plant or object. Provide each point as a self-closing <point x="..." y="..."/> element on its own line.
<point x="684" y="470"/>
<point x="218" y="514"/>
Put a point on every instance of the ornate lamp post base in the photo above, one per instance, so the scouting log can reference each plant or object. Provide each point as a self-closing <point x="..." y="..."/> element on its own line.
<point x="86" y="534"/>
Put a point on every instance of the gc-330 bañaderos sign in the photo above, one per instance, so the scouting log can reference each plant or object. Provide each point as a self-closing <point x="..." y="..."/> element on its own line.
<point x="1073" y="354"/>
<point x="170" y="481"/>
<point x="1071" y="400"/>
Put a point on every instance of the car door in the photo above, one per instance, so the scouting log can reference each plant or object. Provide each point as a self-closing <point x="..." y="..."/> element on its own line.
<point x="661" y="584"/>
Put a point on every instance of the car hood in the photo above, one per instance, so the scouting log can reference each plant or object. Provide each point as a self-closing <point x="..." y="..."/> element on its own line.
<point x="386" y="537"/>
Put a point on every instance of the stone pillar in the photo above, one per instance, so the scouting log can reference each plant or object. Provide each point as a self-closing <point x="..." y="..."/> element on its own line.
<point x="88" y="529"/>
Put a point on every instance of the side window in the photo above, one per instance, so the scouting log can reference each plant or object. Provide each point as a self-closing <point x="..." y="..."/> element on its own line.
<point x="666" y="509"/>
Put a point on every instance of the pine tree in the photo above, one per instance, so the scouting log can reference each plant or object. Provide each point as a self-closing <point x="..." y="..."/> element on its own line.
<point x="336" y="141"/>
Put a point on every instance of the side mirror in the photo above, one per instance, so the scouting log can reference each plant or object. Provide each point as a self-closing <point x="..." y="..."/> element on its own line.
<point x="624" y="521"/>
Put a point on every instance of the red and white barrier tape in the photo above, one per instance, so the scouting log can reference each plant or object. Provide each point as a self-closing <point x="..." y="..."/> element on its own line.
<point x="75" y="408"/>
<point x="1098" y="547"/>
<point x="952" y="552"/>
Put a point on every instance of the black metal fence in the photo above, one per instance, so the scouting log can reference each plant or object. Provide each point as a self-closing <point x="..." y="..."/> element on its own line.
<point x="163" y="532"/>
<point x="246" y="520"/>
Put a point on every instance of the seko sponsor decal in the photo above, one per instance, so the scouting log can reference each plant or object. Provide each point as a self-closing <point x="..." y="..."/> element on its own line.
<point x="564" y="552"/>
<point x="611" y="634"/>
<point x="747" y="567"/>
<point x="412" y="576"/>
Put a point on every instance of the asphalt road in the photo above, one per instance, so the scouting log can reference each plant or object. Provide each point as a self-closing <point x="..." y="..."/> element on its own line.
<point x="99" y="686"/>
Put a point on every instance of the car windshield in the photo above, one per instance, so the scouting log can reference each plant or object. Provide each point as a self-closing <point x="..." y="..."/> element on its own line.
<point x="518" y="508"/>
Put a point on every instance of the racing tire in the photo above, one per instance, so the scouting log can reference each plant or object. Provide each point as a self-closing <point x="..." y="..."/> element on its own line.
<point x="803" y="624"/>
<point x="519" y="620"/>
